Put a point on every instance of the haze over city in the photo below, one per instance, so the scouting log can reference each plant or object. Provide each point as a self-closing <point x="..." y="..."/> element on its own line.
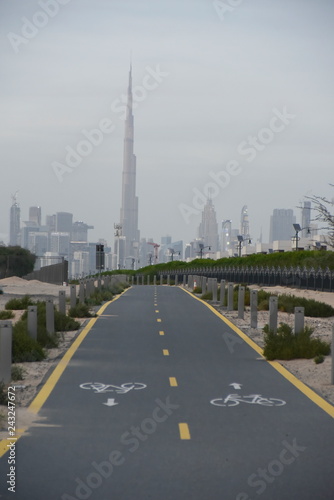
<point x="232" y="100"/>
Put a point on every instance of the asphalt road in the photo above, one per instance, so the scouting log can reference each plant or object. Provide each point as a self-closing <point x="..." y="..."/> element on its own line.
<point x="145" y="410"/>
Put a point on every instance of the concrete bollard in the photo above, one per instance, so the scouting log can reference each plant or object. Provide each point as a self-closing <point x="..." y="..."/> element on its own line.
<point x="176" y="280"/>
<point x="214" y="290"/>
<point x="86" y="289"/>
<point x="143" y="280"/>
<point x="184" y="280"/>
<point x="332" y="355"/>
<point x="204" y="282"/>
<point x="62" y="302"/>
<point x="137" y="280"/>
<point x="168" y="280"/>
<point x="154" y="280"/>
<point x="253" y="308"/>
<point x="273" y="314"/>
<point x="299" y="319"/>
<point x="148" y="280"/>
<point x="6" y="335"/>
<point x="50" y="316"/>
<point x="32" y="322"/>
<point x="209" y="285"/>
<point x="99" y="283"/>
<point x="241" y="302"/>
<point x="132" y="280"/>
<point x="73" y="296"/>
<point x="230" y="291"/>
<point x="81" y="293"/>
<point x="222" y="292"/>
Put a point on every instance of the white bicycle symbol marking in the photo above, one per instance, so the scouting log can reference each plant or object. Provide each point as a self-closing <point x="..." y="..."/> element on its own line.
<point x="235" y="399"/>
<point x="98" y="387"/>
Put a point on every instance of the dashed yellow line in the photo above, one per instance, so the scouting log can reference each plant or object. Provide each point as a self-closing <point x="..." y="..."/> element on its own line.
<point x="173" y="382"/>
<point x="161" y="332"/>
<point x="184" y="431"/>
<point x="156" y="310"/>
<point x="159" y="320"/>
<point x="165" y="352"/>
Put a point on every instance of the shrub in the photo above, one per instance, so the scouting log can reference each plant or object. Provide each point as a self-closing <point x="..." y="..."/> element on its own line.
<point x="286" y="345"/>
<point x="3" y="420"/>
<point x="6" y="314"/>
<point x="100" y="296"/>
<point x="312" y="307"/>
<point x="65" y="323"/>
<point x="197" y="289"/>
<point x="62" y="323"/>
<point x="319" y="359"/>
<point x="17" y="373"/>
<point x="22" y="303"/>
<point x="24" y="348"/>
<point x="207" y="296"/>
<point x="3" y="394"/>
<point x="80" y="311"/>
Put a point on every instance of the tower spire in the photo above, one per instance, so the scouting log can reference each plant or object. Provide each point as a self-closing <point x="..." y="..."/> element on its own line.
<point x="129" y="208"/>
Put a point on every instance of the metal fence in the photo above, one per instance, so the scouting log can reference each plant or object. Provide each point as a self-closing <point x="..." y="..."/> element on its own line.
<point x="56" y="274"/>
<point x="310" y="279"/>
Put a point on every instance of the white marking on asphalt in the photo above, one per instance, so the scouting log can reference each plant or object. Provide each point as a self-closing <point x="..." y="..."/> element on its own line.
<point x="110" y="402"/>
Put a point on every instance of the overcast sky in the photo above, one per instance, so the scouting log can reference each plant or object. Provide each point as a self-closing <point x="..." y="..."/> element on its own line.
<point x="233" y="97"/>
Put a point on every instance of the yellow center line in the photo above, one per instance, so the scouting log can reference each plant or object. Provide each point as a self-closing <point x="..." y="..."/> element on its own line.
<point x="161" y="332"/>
<point x="159" y="320"/>
<point x="156" y="310"/>
<point x="165" y="352"/>
<point x="173" y="382"/>
<point x="184" y="431"/>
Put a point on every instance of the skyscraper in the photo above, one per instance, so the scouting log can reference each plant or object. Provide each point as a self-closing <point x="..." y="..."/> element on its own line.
<point x="281" y="224"/>
<point x="244" y="224"/>
<point x="129" y="208"/>
<point x="35" y="215"/>
<point x="208" y="228"/>
<point x="306" y="218"/>
<point x="14" y="222"/>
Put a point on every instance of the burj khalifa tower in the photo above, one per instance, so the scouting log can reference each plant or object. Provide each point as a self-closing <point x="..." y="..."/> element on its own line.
<point x="128" y="255"/>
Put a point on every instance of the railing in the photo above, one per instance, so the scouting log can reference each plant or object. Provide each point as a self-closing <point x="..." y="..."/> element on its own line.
<point x="310" y="279"/>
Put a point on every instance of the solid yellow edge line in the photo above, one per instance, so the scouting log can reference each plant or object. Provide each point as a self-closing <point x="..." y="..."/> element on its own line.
<point x="318" y="400"/>
<point x="184" y="431"/>
<point x="49" y="385"/>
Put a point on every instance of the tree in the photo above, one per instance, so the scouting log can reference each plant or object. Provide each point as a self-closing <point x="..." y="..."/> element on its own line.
<point x="16" y="261"/>
<point x="323" y="209"/>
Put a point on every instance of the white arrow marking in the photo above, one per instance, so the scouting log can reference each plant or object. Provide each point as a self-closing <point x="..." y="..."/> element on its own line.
<point x="110" y="402"/>
<point x="236" y="386"/>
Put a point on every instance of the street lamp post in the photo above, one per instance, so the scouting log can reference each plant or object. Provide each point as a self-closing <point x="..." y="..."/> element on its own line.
<point x="172" y="252"/>
<point x="201" y="248"/>
<point x="298" y="229"/>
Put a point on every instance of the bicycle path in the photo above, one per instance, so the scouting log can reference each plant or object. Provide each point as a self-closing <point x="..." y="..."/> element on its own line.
<point x="131" y="416"/>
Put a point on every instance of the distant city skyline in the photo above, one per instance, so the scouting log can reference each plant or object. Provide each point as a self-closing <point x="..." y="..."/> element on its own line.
<point x="238" y="105"/>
